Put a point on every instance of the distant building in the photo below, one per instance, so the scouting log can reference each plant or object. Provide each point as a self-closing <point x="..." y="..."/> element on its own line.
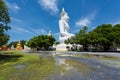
<point x="49" y="33"/>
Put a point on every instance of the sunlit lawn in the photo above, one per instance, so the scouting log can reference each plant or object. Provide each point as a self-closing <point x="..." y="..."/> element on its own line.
<point x="15" y="65"/>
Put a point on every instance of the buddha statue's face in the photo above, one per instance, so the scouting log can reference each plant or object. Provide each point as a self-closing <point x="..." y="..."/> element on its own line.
<point x="65" y="17"/>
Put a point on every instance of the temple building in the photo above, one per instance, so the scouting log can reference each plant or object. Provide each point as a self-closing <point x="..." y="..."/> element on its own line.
<point x="19" y="47"/>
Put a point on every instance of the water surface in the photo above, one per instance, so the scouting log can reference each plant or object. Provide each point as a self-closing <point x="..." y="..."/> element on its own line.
<point x="79" y="68"/>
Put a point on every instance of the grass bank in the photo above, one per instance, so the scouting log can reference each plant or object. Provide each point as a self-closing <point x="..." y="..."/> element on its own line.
<point x="15" y="65"/>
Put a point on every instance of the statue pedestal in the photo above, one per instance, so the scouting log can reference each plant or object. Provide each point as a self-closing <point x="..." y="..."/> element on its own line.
<point x="61" y="47"/>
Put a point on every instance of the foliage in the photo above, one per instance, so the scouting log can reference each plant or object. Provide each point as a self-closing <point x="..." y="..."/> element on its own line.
<point x="14" y="43"/>
<point x="71" y="40"/>
<point x="42" y="42"/>
<point x="103" y="36"/>
<point x="4" y="20"/>
<point x="82" y="37"/>
<point x="116" y="30"/>
<point x="56" y="43"/>
<point x="3" y="38"/>
<point x="79" y="38"/>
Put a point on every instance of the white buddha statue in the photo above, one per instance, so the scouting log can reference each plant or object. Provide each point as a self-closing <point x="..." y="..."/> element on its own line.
<point x="64" y="27"/>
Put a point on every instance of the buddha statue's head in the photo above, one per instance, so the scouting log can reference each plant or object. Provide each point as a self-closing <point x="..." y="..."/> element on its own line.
<point x="64" y="15"/>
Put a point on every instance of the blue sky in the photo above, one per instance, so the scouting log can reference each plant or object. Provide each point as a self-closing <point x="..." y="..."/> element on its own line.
<point x="34" y="17"/>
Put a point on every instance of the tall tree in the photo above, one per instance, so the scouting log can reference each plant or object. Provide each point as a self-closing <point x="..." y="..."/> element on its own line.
<point x="116" y="30"/>
<point x="106" y="36"/>
<point x="103" y="36"/>
<point x="42" y="41"/>
<point x="81" y="37"/>
<point x="4" y="20"/>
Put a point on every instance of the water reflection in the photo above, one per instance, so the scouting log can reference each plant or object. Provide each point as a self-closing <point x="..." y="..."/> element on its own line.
<point x="70" y="69"/>
<point x="66" y="65"/>
<point x="47" y="54"/>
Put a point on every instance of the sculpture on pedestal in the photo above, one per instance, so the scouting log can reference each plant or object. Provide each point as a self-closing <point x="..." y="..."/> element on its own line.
<point x="64" y="31"/>
<point x="64" y="27"/>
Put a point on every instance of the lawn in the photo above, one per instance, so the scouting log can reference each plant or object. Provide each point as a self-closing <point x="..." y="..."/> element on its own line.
<point x="15" y="65"/>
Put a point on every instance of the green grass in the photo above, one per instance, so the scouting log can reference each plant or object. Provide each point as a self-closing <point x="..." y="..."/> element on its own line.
<point x="21" y="66"/>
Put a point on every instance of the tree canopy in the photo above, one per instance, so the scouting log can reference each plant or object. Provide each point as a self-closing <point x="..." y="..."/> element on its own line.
<point x="103" y="36"/>
<point x="4" y="20"/>
<point x="42" y="42"/>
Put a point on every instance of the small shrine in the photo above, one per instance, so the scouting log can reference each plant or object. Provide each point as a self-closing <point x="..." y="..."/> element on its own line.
<point x="19" y="47"/>
<point x="12" y="47"/>
<point x="4" y="48"/>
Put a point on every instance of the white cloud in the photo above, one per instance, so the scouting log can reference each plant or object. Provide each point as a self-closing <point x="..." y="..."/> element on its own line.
<point x="49" y="5"/>
<point x="86" y="20"/>
<point x="39" y="31"/>
<point x="75" y="31"/>
<point x="13" y="6"/>
<point x="117" y="22"/>
<point x="15" y="19"/>
<point x="57" y="34"/>
<point x="42" y="31"/>
<point x="20" y="30"/>
<point x="83" y="22"/>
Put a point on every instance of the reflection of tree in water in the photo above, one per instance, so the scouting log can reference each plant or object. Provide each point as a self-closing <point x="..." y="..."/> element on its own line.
<point x="76" y="65"/>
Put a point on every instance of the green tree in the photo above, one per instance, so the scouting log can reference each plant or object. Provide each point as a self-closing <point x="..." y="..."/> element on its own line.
<point x="71" y="40"/>
<point x="116" y="32"/>
<point x="81" y="37"/>
<point x="103" y="36"/>
<point x="14" y="43"/>
<point x="42" y="41"/>
<point x="4" y="20"/>
<point x="106" y="36"/>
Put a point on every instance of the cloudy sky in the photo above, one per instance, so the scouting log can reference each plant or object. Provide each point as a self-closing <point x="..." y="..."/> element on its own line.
<point x="34" y="17"/>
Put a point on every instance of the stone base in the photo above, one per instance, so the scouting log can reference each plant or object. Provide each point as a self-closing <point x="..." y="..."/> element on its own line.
<point x="61" y="47"/>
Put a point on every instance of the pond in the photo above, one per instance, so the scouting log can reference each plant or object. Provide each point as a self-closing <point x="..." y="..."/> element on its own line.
<point x="68" y="67"/>
<point x="63" y="66"/>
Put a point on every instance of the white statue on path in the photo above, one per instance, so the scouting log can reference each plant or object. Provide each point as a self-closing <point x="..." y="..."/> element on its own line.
<point x="64" y="27"/>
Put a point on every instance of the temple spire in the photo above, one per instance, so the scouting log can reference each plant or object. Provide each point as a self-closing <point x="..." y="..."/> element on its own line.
<point x="63" y="12"/>
<point x="63" y="9"/>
